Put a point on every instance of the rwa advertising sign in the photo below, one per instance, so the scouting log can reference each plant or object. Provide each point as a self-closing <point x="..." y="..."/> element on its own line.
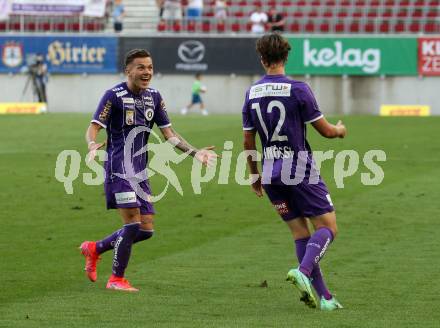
<point x="61" y="54"/>
<point x="353" y="56"/>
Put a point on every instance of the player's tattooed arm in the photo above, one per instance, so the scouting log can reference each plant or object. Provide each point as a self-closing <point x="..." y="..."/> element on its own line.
<point x="204" y="155"/>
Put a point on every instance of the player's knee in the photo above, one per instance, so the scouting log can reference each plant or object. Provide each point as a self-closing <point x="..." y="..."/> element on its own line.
<point x="145" y="234"/>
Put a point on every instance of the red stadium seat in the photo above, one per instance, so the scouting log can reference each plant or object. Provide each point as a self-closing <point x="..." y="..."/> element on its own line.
<point x="434" y="3"/>
<point x="339" y="27"/>
<point x="430" y="27"/>
<point x="384" y="27"/>
<point x="309" y="27"/>
<point x="328" y="14"/>
<point x="298" y="14"/>
<point x="313" y="14"/>
<point x="30" y="26"/>
<point x="191" y="27"/>
<point x="414" y="27"/>
<point x="221" y="27"/>
<point x="342" y="14"/>
<point x="324" y="27"/>
<point x="3" y="26"/>
<point x="375" y="3"/>
<point x="404" y="3"/>
<point x="60" y="27"/>
<point x="162" y="26"/>
<point x="206" y="27"/>
<point x="369" y="27"/>
<point x="294" y="27"/>
<point x="432" y="14"/>
<point x="236" y="27"/>
<point x="399" y="27"/>
<point x="177" y="27"/>
<point x="354" y="27"/>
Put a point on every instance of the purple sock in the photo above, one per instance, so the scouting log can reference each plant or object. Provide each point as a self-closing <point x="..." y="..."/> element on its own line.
<point x="315" y="249"/>
<point x="317" y="278"/>
<point x="122" y="250"/>
<point x="108" y="242"/>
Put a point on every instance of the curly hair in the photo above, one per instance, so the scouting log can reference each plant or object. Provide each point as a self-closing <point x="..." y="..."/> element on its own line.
<point x="273" y="49"/>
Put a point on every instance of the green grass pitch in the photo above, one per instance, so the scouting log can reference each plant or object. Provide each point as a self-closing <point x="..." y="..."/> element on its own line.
<point x="211" y="252"/>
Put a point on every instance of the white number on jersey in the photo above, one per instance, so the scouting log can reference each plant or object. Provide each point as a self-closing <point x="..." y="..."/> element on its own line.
<point x="273" y="104"/>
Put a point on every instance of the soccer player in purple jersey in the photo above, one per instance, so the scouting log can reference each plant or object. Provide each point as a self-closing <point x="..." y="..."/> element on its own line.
<point x="278" y="109"/>
<point x="127" y="106"/>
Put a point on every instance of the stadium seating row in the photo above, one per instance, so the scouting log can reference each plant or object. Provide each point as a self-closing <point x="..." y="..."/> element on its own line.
<point x="308" y="27"/>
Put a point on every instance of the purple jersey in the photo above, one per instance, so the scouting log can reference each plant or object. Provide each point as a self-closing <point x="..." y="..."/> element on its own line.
<point x="119" y="112"/>
<point x="279" y="109"/>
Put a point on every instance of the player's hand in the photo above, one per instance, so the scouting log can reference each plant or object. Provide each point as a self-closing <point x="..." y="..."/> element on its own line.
<point x="257" y="188"/>
<point x="93" y="147"/>
<point x="207" y="156"/>
<point x="341" y="129"/>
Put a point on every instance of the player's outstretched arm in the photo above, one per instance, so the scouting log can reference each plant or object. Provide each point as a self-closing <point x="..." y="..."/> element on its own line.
<point x="328" y="130"/>
<point x="205" y="155"/>
<point x="250" y="146"/>
<point x="91" y="134"/>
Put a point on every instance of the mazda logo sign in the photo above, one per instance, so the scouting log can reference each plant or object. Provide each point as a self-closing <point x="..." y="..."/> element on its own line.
<point x="191" y="51"/>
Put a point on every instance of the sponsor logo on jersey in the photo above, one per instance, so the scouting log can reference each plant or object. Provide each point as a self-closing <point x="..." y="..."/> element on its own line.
<point x="148" y="101"/>
<point x="127" y="100"/>
<point x="103" y="116"/>
<point x="270" y="90"/>
<point x="129" y="117"/>
<point x="281" y="208"/>
<point x="118" y="89"/>
<point x="125" y="197"/>
<point x="138" y="102"/>
<point x="121" y="93"/>
<point x="149" y="113"/>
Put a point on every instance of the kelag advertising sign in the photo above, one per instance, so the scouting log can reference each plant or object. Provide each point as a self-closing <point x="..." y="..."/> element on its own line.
<point x="429" y="56"/>
<point x="205" y="55"/>
<point x="353" y="56"/>
<point x="61" y="54"/>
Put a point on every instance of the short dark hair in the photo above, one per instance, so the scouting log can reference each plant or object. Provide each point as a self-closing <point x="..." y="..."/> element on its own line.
<point x="273" y="48"/>
<point x="135" y="53"/>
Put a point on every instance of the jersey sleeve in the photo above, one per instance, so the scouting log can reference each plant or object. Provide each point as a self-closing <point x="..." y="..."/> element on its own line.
<point x="160" y="113"/>
<point x="104" y="110"/>
<point x="309" y="107"/>
<point x="248" y="124"/>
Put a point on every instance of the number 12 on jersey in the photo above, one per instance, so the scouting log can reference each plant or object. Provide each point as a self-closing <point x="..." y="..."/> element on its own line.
<point x="273" y="104"/>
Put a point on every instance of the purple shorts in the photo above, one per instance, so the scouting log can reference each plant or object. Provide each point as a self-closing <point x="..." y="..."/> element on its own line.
<point x="302" y="200"/>
<point x="120" y="194"/>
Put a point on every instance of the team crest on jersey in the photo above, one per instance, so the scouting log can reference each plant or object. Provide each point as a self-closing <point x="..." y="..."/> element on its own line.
<point x="12" y="54"/>
<point x="149" y="113"/>
<point x="129" y="117"/>
<point x="270" y="90"/>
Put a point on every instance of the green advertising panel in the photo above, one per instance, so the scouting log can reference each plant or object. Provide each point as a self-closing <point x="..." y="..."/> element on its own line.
<point x="352" y="56"/>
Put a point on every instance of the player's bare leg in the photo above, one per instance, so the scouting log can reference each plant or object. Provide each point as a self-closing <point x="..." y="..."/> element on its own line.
<point x="122" y="249"/>
<point x="185" y="110"/>
<point x="203" y="109"/>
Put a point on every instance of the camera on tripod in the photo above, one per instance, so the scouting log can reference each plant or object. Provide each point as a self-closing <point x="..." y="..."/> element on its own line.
<point x="36" y="70"/>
